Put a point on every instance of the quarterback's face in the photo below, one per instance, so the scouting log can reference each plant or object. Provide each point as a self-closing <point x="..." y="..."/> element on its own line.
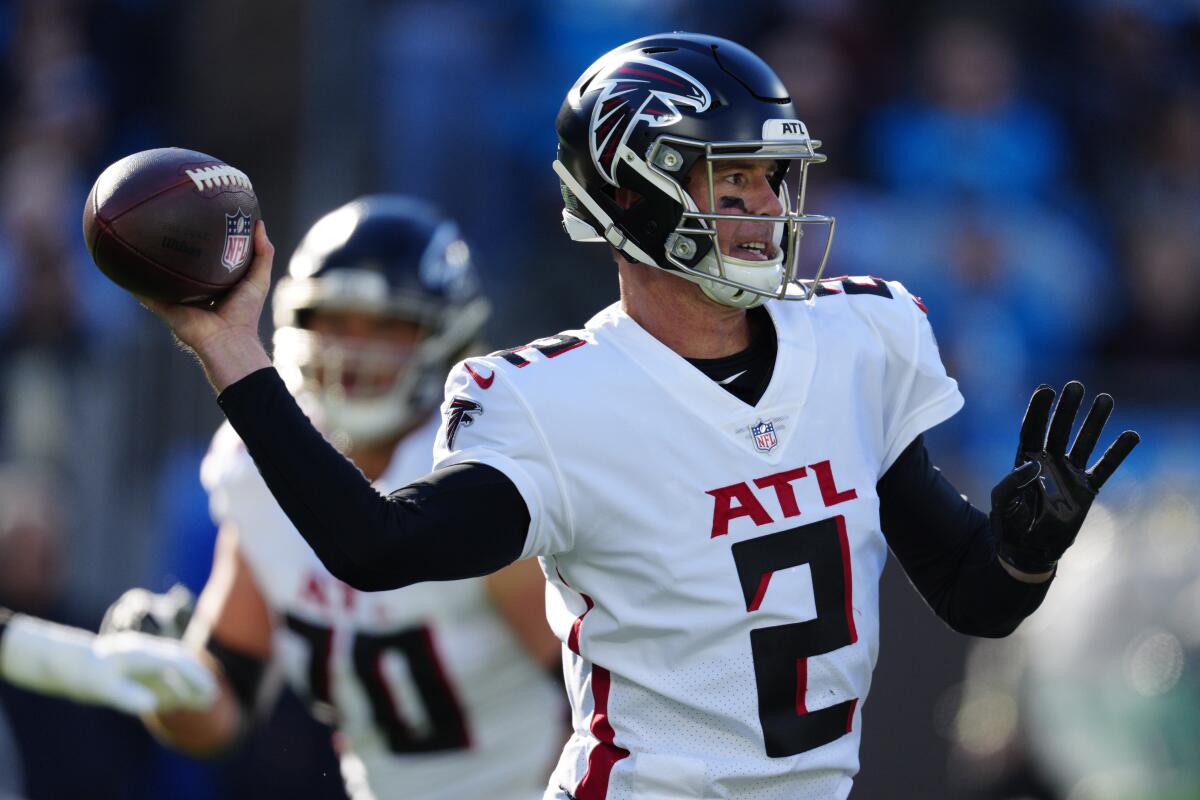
<point x="362" y="352"/>
<point x="739" y="187"/>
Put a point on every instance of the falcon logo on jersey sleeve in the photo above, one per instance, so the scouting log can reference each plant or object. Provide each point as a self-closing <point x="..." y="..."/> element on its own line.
<point x="461" y="411"/>
<point x="638" y="90"/>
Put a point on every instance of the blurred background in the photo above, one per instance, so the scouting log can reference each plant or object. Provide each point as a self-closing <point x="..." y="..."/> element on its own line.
<point x="1032" y="169"/>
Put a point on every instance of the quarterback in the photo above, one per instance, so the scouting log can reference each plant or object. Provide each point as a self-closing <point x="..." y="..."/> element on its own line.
<point x="711" y="471"/>
<point x="437" y="690"/>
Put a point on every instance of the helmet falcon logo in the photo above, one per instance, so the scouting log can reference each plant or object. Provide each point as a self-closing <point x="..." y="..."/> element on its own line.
<point x="461" y="411"/>
<point x="636" y="90"/>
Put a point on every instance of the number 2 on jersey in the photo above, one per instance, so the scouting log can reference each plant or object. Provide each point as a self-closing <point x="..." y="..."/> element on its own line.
<point x="781" y="652"/>
<point x="444" y="724"/>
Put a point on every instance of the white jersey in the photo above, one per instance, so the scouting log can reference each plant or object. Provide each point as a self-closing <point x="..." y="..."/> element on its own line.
<point x="713" y="567"/>
<point x="432" y="695"/>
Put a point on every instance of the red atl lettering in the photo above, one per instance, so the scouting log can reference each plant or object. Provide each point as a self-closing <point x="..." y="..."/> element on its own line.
<point x="829" y="491"/>
<point x="318" y="588"/>
<point x="782" y="483"/>
<point x="724" y="510"/>
<point x="314" y="592"/>
<point x="738" y="500"/>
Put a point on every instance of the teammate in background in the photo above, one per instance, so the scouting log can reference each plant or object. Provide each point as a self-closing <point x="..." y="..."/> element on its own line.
<point x="437" y="691"/>
<point x="129" y="672"/>
<point x="711" y="480"/>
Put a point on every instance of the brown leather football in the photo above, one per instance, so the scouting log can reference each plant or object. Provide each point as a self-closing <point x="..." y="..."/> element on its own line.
<point x="172" y="224"/>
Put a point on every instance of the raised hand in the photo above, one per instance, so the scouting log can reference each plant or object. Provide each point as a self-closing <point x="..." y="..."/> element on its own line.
<point x="225" y="337"/>
<point x="1038" y="508"/>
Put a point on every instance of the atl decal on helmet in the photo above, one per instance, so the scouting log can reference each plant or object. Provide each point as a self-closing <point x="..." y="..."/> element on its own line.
<point x="638" y="89"/>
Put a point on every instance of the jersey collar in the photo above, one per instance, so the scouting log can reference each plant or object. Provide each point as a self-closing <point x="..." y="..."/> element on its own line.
<point x="780" y="405"/>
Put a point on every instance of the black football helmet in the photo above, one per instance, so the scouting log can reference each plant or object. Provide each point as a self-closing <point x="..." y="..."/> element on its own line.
<point x="640" y="118"/>
<point x="384" y="255"/>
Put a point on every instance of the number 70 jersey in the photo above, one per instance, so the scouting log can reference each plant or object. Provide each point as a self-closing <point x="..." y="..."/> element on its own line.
<point x="432" y="694"/>
<point x="713" y="566"/>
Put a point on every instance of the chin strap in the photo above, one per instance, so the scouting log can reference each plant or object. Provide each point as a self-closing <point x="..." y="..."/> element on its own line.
<point x="763" y="274"/>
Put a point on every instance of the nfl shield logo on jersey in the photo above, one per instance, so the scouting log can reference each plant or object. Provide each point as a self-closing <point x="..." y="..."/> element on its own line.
<point x="764" y="436"/>
<point x="237" y="240"/>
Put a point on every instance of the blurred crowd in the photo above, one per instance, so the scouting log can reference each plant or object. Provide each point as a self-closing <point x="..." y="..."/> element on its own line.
<point x="1031" y="169"/>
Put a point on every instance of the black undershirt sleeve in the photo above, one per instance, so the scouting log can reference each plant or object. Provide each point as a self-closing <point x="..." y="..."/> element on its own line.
<point x="945" y="546"/>
<point x="460" y="522"/>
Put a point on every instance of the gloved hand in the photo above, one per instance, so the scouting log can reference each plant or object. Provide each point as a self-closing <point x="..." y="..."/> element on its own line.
<point x="141" y="610"/>
<point x="131" y="672"/>
<point x="1039" y="507"/>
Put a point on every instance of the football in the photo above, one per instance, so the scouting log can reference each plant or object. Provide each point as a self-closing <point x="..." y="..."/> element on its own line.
<point x="171" y="224"/>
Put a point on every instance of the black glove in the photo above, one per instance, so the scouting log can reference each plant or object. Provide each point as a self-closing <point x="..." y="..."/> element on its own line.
<point x="141" y="610"/>
<point x="1039" y="507"/>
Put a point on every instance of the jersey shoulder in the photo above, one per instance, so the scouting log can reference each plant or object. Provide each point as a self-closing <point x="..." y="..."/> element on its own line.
<point x="505" y="399"/>
<point x="865" y="296"/>
<point x="227" y="461"/>
<point x="881" y="311"/>
<point x="514" y="361"/>
<point x="237" y="493"/>
<point x="547" y="364"/>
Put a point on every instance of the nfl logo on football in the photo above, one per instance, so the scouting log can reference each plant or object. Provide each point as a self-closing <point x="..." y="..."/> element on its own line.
<point x="237" y="240"/>
<point x="764" y="436"/>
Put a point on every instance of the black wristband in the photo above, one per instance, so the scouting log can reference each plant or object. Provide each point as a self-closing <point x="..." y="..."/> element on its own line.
<point x="244" y="672"/>
<point x="1033" y="563"/>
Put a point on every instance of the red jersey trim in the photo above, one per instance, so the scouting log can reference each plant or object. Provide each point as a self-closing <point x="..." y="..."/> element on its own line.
<point x="605" y="754"/>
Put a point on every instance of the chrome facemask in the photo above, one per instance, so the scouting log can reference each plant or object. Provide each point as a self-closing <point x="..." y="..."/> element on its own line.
<point x="729" y="280"/>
